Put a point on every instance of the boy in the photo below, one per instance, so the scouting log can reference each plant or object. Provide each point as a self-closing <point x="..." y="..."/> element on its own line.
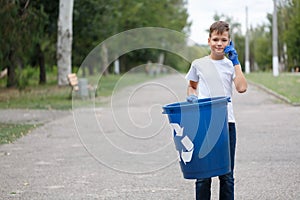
<point x="228" y="71"/>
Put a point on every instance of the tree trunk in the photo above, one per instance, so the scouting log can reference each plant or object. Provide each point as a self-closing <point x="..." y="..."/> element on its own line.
<point x="104" y="59"/>
<point x="64" y="40"/>
<point x="123" y="63"/>
<point x="117" y="66"/>
<point x="91" y="69"/>
<point x="11" y="73"/>
<point x="41" y="61"/>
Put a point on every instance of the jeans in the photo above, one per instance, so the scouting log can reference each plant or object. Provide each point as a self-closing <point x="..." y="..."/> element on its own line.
<point x="226" y="181"/>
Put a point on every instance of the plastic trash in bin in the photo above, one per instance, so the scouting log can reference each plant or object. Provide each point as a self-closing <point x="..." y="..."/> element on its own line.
<point x="201" y="136"/>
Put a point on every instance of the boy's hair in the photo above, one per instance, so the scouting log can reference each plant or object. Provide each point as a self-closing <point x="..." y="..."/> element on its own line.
<point x="220" y="27"/>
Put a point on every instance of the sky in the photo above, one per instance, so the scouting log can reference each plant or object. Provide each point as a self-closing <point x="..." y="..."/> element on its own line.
<point x="201" y="14"/>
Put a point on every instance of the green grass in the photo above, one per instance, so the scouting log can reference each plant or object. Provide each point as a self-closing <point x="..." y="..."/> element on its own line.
<point x="11" y="132"/>
<point x="51" y="96"/>
<point x="286" y="84"/>
<point x="36" y="97"/>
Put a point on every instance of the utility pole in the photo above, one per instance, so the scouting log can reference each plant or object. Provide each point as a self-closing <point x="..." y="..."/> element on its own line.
<point x="275" y="41"/>
<point x="247" y="63"/>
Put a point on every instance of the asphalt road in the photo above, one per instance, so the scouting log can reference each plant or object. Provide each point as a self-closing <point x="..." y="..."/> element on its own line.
<point x="125" y="150"/>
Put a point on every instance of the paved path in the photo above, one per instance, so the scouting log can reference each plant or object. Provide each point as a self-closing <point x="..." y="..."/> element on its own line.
<point x="112" y="153"/>
<point x="26" y="116"/>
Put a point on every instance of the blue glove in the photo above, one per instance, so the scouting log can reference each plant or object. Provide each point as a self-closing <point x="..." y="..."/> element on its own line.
<point x="192" y="98"/>
<point x="232" y="54"/>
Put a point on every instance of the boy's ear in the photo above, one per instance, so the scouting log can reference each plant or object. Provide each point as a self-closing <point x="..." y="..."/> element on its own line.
<point x="229" y="42"/>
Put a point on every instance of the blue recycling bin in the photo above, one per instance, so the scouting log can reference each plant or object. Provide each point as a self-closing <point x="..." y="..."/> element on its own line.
<point x="201" y="136"/>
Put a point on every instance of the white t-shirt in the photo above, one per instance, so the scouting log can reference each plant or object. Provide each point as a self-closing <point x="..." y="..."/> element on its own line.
<point x="215" y="78"/>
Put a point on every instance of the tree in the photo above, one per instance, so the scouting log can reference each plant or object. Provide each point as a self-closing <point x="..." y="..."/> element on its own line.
<point x="115" y="16"/>
<point x="64" y="40"/>
<point x="8" y="11"/>
<point x="17" y="42"/>
<point x="46" y="35"/>
<point x="261" y="47"/>
<point x="30" y="35"/>
<point x="91" y="30"/>
<point x="170" y="14"/>
<point x="291" y="33"/>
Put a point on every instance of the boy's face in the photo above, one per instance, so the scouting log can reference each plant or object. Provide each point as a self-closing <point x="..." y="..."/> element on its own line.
<point x="217" y="43"/>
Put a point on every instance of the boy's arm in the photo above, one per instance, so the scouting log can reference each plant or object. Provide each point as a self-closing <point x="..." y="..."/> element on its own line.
<point x="240" y="80"/>
<point x="192" y="88"/>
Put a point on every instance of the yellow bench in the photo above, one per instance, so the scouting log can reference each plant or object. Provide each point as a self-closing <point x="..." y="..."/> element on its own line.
<point x="73" y="81"/>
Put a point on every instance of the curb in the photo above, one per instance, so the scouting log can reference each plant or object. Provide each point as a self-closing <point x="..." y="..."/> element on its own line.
<point x="271" y="92"/>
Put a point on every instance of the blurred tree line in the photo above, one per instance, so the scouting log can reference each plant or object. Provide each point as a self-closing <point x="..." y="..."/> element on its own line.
<point x="28" y="33"/>
<point x="288" y="21"/>
<point x="288" y="16"/>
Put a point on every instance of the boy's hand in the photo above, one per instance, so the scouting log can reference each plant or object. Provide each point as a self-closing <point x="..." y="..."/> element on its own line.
<point x="192" y="98"/>
<point x="232" y="54"/>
